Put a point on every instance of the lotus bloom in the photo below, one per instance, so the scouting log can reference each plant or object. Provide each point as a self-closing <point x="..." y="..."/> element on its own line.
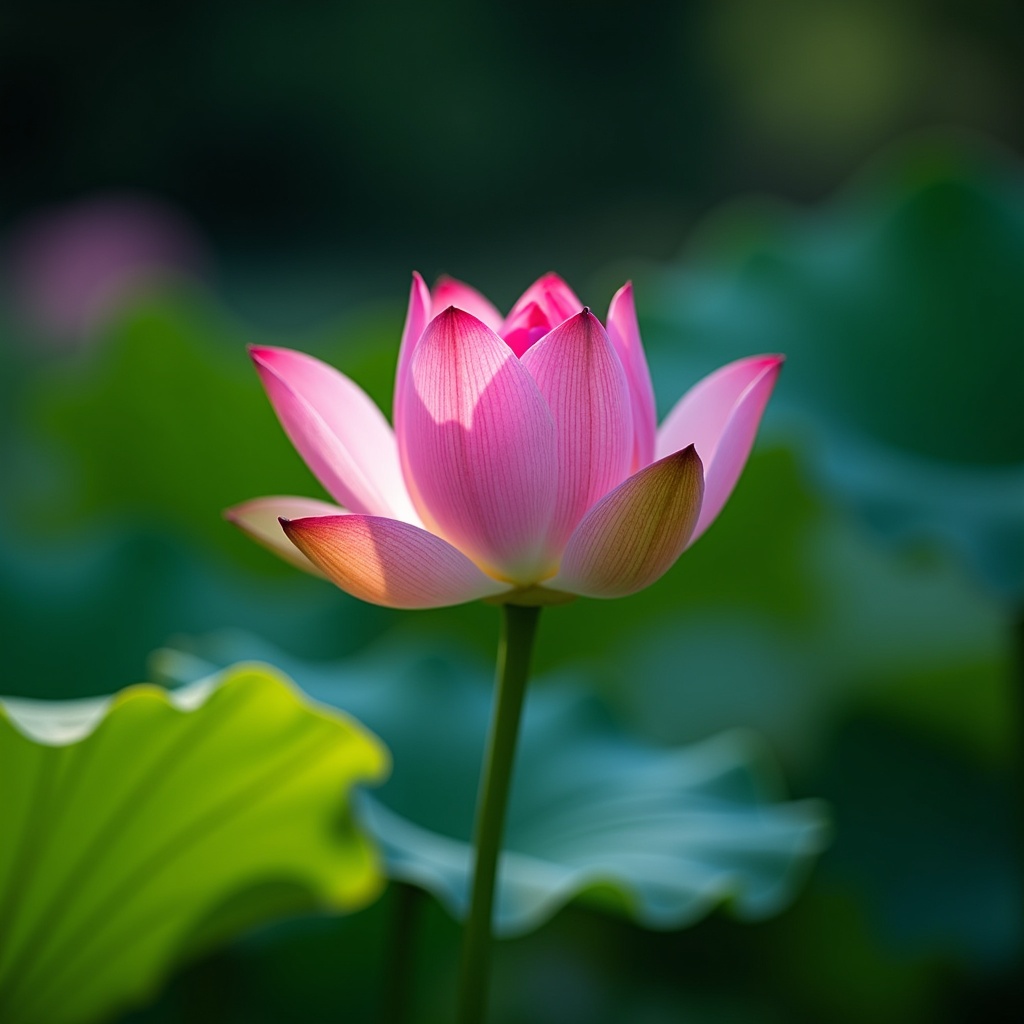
<point x="525" y="464"/>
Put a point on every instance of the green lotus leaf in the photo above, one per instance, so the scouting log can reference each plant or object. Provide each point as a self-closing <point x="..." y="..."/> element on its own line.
<point x="142" y="828"/>
<point x="149" y="584"/>
<point x="899" y="305"/>
<point x="660" y="835"/>
<point x="165" y="422"/>
<point x="928" y="843"/>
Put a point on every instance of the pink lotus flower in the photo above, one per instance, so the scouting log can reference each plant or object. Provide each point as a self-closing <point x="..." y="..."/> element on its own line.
<point x="525" y="464"/>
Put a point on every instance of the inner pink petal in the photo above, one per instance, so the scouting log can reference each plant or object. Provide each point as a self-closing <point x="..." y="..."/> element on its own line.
<point x="525" y="328"/>
<point x="548" y="302"/>
<point x="450" y="292"/>
<point x="624" y="332"/>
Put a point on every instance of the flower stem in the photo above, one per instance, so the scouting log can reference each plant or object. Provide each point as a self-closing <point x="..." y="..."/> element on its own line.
<point x="400" y="975"/>
<point x="1017" y="782"/>
<point x="519" y="626"/>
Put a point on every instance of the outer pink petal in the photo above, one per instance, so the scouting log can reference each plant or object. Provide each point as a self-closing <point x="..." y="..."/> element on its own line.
<point x="449" y="292"/>
<point x="260" y="519"/>
<point x="720" y="416"/>
<point x="338" y="430"/>
<point x="624" y="331"/>
<point x="555" y="302"/>
<point x="633" y="536"/>
<point x="583" y="381"/>
<point x="479" y="443"/>
<point x="416" y="319"/>
<point x="388" y="562"/>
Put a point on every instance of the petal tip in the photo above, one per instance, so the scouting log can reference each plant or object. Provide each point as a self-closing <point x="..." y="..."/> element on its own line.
<point x="551" y="280"/>
<point x="771" y="366"/>
<point x="419" y="294"/>
<point x="588" y="321"/>
<point x="456" y="318"/>
<point x="262" y="355"/>
<point x="622" y="298"/>
<point x="686" y="459"/>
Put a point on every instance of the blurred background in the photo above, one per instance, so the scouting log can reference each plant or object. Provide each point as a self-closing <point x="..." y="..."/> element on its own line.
<point x="835" y="180"/>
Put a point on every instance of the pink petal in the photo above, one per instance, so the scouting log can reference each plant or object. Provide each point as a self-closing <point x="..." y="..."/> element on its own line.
<point x="260" y="519"/>
<point x="555" y="302"/>
<point x="338" y="430"/>
<point x="720" y="416"/>
<point x="479" y="443"/>
<point x="584" y="384"/>
<point x="525" y="327"/>
<point x="388" y="562"/>
<point x="449" y="292"/>
<point x="633" y="536"/>
<point x="416" y="319"/>
<point x="624" y="331"/>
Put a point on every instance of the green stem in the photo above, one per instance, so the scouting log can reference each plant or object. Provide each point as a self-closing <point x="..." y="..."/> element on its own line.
<point x="399" y="977"/>
<point x="1017" y="782"/>
<point x="519" y="626"/>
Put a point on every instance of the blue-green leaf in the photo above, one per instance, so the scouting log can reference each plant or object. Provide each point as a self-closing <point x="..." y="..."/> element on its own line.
<point x="661" y="835"/>
<point x="900" y="307"/>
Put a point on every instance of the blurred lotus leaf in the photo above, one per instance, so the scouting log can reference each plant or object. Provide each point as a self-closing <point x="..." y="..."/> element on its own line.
<point x="928" y="840"/>
<point x="142" y="828"/>
<point x="166" y="422"/>
<point x="662" y="836"/>
<point x="900" y="306"/>
<point x="145" y="585"/>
